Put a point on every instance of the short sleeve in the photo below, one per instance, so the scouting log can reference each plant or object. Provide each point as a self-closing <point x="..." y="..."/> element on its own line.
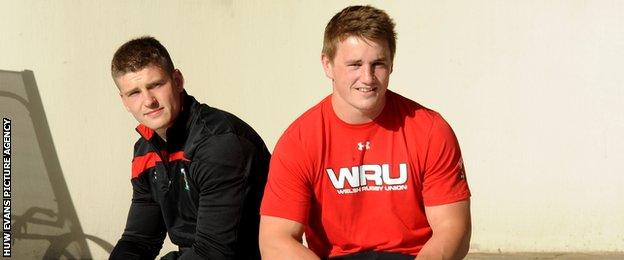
<point x="288" y="190"/>
<point x="444" y="179"/>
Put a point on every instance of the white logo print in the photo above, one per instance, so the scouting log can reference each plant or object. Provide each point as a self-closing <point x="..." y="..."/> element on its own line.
<point x="461" y="170"/>
<point x="368" y="177"/>
<point x="362" y="145"/>
<point x="186" y="186"/>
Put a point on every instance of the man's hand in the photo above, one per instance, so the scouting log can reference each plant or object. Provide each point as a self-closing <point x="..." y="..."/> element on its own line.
<point x="281" y="239"/>
<point x="451" y="231"/>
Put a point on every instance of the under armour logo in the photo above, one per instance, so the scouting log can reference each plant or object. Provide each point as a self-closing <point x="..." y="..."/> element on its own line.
<point x="461" y="171"/>
<point x="363" y="145"/>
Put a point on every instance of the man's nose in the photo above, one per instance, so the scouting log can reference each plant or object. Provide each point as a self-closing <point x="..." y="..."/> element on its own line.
<point x="367" y="74"/>
<point x="150" y="100"/>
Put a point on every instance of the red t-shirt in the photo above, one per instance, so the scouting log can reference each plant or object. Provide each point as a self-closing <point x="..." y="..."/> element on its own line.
<point x="364" y="187"/>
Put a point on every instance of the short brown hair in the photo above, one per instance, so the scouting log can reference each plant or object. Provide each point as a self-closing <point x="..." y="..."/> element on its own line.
<point x="139" y="53"/>
<point x="362" y="21"/>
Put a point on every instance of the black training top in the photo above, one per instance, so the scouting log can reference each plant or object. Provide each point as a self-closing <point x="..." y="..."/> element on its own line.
<point x="203" y="186"/>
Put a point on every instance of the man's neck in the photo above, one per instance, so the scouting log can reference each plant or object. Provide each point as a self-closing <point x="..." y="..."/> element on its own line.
<point x="162" y="134"/>
<point x="355" y="118"/>
<point x="351" y="115"/>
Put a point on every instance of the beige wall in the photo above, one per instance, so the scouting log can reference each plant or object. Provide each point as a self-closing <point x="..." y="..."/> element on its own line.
<point x="533" y="89"/>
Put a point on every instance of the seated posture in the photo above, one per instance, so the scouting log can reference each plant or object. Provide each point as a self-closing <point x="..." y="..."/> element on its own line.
<point x="366" y="173"/>
<point x="198" y="173"/>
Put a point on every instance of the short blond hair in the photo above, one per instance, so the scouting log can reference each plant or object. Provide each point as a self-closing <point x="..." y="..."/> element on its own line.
<point x="361" y="21"/>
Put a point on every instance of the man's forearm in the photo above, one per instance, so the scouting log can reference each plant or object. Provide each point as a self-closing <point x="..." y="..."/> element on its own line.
<point x="446" y="246"/>
<point x="285" y="248"/>
<point x="451" y="226"/>
<point x="128" y="250"/>
<point x="190" y="254"/>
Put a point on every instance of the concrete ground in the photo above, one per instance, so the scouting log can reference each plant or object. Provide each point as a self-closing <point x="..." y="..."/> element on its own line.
<point x="558" y="256"/>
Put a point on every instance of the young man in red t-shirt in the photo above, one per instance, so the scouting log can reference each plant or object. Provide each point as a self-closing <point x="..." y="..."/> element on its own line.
<point x="366" y="173"/>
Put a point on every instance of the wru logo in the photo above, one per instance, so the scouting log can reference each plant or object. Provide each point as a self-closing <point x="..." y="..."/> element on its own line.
<point x="358" y="176"/>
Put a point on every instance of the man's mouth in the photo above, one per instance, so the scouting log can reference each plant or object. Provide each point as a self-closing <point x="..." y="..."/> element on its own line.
<point x="365" y="90"/>
<point x="154" y="112"/>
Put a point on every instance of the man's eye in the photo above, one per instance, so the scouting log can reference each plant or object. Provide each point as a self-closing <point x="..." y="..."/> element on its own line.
<point x="355" y="65"/>
<point x="134" y="93"/>
<point x="157" y="85"/>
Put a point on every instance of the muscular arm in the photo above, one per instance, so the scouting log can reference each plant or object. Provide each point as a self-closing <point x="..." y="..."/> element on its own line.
<point x="451" y="231"/>
<point x="280" y="238"/>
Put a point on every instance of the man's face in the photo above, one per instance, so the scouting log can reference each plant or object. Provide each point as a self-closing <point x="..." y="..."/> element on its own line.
<point x="360" y="73"/>
<point x="152" y="96"/>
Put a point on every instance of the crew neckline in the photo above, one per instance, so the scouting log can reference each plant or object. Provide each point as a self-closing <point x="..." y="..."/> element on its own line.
<point x="329" y="106"/>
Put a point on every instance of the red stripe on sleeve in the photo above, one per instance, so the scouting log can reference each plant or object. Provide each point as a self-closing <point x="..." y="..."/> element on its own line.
<point x="179" y="155"/>
<point x="144" y="162"/>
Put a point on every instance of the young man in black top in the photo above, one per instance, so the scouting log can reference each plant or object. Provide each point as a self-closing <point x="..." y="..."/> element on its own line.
<point x="198" y="173"/>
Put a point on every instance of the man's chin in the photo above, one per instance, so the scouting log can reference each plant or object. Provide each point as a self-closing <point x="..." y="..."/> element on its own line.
<point x="369" y="106"/>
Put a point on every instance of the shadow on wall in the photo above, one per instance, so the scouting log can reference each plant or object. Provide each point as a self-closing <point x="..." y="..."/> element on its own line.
<point x="44" y="221"/>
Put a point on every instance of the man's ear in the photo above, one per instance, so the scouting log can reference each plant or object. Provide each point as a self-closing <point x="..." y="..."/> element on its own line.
<point x="178" y="80"/>
<point x="328" y="67"/>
